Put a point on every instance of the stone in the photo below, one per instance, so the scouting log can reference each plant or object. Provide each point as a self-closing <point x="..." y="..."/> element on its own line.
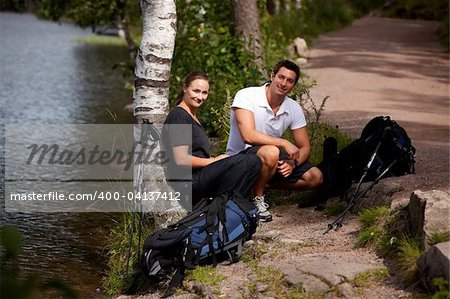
<point x="435" y="262"/>
<point x="346" y="291"/>
<point x="308" y="282"/>
<point x="301" y="61"/>
<point x="429" y="214"/>
<point x="298" y="48"/>
<point x="301" y="47"/>
<point x="318" y="272"/>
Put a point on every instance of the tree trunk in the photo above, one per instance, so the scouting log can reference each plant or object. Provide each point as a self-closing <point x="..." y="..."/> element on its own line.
<point x="150" y="99"/>
<point x="246" y="19"/>
<point x="122" y="25"/>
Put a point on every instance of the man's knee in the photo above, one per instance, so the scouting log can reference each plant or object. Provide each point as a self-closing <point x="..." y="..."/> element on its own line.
<point x="269" y="155"/>
<point x="313" y="177"/>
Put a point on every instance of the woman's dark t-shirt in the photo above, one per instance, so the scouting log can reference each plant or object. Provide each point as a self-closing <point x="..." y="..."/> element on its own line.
<point x="182" y="134"/>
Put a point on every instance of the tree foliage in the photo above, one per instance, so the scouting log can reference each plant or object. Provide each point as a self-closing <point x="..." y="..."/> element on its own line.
<point x="206" y="41"/>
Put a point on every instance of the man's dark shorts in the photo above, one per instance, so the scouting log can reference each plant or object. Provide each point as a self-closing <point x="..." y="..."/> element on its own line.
<point x="296" y="174"/>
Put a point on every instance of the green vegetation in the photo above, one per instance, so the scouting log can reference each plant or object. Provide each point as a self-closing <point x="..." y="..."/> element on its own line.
<point x="376" y="230"/>
<point x="13" y="283"/>
<point x="379" y="230"/>
<point x="118" y="277"/>
<point x="207" y="275"/>
<point x="442" y="286"/>
<point x="101" y="40"/>
<point x="438" y="237"/>
<point x="368" y="278"/>
<point x="334" y="209"/>
<point x="407" y="254"/>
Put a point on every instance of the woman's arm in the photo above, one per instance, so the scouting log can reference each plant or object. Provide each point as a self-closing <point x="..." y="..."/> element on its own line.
<point x="182" y="158"/>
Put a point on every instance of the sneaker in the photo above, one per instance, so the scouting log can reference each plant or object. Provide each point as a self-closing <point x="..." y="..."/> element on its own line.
<point x="263" y="213"/>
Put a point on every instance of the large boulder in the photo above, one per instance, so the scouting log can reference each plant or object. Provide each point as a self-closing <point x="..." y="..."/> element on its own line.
<point x="429" y="215"/>
<point x="434" y="263"/>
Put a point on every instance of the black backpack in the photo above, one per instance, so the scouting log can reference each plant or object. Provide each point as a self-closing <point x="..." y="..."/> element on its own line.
<point x="383" y="146"/>
<point x="216" y="229"/>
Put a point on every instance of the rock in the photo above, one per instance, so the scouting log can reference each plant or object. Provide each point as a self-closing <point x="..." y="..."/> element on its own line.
<point x="309" y="283"/>
<point x="428" y="214"/>
<point x="266" y="236"/>
<point x="291" y="241"/>
<point x="435" y="262"/>
<point x="203" y="290"/>
<point x="346" y="290"/>
<point x="291" y="53"/>
<point x="298" y="48"/>
<point x="301" y="47"/>
<point x="301" y="61"/>
<point x="318" y="272"/>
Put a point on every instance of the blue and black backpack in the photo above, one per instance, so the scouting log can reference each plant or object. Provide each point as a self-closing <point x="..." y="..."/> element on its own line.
<point x="215" y="230"/>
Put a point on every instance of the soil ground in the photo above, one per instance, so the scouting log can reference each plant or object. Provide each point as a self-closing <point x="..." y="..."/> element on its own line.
<point x="381" y="66"/>
<point x="377" y="66"/>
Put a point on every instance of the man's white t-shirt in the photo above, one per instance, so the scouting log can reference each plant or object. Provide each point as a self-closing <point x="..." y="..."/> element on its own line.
<point x="290" y="115"/>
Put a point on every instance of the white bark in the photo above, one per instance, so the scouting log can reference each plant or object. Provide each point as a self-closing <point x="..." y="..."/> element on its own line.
<point x="154" y="59"/>
<point x="150" y="98"/>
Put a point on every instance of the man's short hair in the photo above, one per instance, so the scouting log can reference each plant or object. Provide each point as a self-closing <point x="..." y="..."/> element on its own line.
<point x="290" y="66"/>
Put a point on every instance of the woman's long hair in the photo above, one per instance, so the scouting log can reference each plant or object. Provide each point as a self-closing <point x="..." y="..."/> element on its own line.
<point x="194" y="75"/>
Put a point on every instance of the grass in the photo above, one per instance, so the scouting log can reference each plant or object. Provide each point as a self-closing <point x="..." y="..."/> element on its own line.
<point x="101" y="40"/>
<point x="373" y="221"/>
<point x="118" y="277"/>
<point x="207" y="275"/>
<point x="438" y="237"/>
<point x="275" y="285"/>
<point x="409" y="251"/>
<point x="334" y="209"/>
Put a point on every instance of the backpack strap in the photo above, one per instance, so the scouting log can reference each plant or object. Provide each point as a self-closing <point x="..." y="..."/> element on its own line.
<point x="175" y="282"/>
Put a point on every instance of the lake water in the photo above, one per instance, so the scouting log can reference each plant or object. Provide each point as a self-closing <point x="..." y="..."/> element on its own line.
<point x="48" y="77"/>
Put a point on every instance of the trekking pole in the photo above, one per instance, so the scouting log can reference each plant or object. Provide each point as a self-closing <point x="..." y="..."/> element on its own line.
<point x="366" y="171"/>
<point x="353" y="202"/>
<point x="146" y="131"/>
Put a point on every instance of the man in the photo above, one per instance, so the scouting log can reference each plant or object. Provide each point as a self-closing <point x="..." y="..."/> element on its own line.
<point x="259" y="118"/>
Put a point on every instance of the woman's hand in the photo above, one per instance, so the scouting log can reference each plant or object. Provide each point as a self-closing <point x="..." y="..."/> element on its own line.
<point x="284" y="168"/>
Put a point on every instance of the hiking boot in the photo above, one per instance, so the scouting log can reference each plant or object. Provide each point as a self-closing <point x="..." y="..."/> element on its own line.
<point x="263" y="214"/>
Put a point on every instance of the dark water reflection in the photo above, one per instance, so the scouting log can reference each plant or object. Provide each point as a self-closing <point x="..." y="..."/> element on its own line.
<point x="46" y="77"/>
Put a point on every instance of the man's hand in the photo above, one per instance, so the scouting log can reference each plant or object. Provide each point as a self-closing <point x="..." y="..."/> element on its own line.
<point x="219" y="157"/>
<point x="292" y="151"/>
<point x="284" y="168"/>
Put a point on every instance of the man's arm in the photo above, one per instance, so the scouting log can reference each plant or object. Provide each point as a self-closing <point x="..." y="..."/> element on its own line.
<point x="301" y="139"/>
<point x="246" y="124"/>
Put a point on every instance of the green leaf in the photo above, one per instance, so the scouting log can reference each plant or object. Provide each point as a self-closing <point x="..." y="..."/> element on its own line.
<point x="11" y="239"/>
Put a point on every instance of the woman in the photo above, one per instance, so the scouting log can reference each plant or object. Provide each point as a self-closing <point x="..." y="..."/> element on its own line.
<point x="211" y="176"/>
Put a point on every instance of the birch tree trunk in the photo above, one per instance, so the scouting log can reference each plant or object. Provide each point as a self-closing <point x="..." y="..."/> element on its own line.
<point x="150" y="98"/>
<point x="246" y="19"/>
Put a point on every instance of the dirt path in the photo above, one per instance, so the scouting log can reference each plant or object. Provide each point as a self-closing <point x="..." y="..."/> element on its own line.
<point x="393" y="67"/>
